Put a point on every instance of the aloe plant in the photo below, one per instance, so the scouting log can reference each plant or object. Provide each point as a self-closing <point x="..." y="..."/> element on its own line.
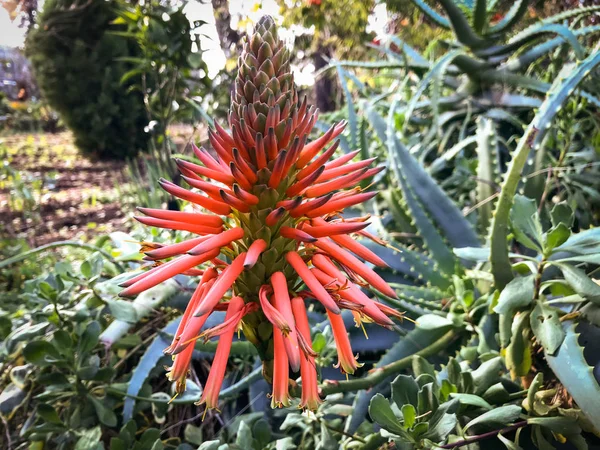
<point x="462" y="113"/>
<point x="445" y="281"/>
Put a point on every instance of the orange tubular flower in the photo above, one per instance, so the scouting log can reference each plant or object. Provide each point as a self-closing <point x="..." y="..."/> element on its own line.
<point x="270" y="204"/>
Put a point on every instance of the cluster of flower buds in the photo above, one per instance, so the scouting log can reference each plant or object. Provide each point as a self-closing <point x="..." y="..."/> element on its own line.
<point x="270" y="203"/>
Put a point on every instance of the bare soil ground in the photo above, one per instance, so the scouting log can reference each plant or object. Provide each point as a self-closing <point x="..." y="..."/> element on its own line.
<point x="49" y="192"/>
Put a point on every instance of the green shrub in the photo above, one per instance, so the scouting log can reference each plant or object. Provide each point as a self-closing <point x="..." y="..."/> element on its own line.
<point x="79" y="65"/>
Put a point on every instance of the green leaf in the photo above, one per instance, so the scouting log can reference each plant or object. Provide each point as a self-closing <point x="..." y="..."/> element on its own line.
<point x="580" y="282"/>
<point x="510" y="445"/>
<point x="63" y="341"/>
<point x="532" y="138"/>
<point x="562" y="214"/>
<point x="561" y="425"/>
<point x="404" y="391"/>
<point x="511" y="18"/>
<point x="433" y="322"/>
<point x="48" y="413"/>
<point x="499" y="417"/>
<point x="487" y="374"/>
<point x="244" y="437"/>
<point x="526" y="223"/>
<point x="90" y="439"/>
<point x="262" y="432"/>
<point x="381" y="413"/>
<point x="533" y="32"/>
<point x="471" y="400"/>
<point x="535" y="386"/>
<point x="516" y="295"/>
<point x="555" y="237"/>
<point x="123" y="310"/>
<point x="421" y="366"/>
<point x="518" y="353"/>
<point x="210" y="445"/>
<point x="409" y="413"/>
<point x="480" y="15"/>
<point x="149" y="439"/>
<point x="475" y="254"/>
<point x="89" y="337"/>
<point x="573" y="371"/>
<point x="420" y="191"/>
<point x="105" y="415"/>
<point x="41" y="353"/>
<point x="440" y="429"/>
<point x="464" y="33"/>
<point x="427" y="397"/>
<point x="432" y="14"/>
<point x="414" y="342"/>
<point x="319" y="343"/>
<point x="193" y="434"/>
<point x="547" y="327"/>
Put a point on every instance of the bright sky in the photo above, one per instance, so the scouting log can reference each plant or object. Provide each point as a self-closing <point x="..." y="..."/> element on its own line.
<point x="13" y="36"/>
<point x="10" y="33"/>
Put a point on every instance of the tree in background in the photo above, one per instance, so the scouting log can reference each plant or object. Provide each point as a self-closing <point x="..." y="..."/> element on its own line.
<point x="339" y="31"/>
<point x="79" y="65"/>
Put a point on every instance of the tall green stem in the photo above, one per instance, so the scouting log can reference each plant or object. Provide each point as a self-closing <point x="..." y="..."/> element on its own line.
<point x="381" y="373"/>
<point x="531" y="140"/>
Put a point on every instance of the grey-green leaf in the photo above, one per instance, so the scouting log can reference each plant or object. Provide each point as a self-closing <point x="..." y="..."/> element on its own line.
<point x="562" y="425"/>
<point x="547" y="327"/>
<point x="381" y="412"/>
<point x="497" y="417"/>
<point x="526" y="223"/>
<point x="580" y="282"/>
<point x="573" y="371"/>
<point x="471" y="400"/>
<point x="517" y="294"/>
<point x="404" y="390"/>
<point x="555" y="237"/>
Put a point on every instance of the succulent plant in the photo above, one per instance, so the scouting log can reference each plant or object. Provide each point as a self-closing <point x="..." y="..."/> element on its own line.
<point x="274" y="204"/>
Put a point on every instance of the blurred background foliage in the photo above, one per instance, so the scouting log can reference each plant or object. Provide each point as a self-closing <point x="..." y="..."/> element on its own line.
<point x="486" y="116"/>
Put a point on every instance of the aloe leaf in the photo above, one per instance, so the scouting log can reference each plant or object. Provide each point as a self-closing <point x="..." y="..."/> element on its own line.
<point x="440" y="163"/>
<point x="438" y="68"/>
<point x="523" y="39"/>
<point x="480" y="15"/>
<point x="147" y="362"/>
<point x="364" y="65"/>
<point x="412" y="343"/>
<point x="576" y="375"/>
<point x="560" y="17"/>
<point x="446" y="214"/>
<point x="142" y="306"/>
<point x="432" y="14"/>
<point x="409" y="263"/>
<point x="352" y="118"/>
<point x="487" y="169"/>
<point x="463" y="31"/>
<point x="515" y="80"/>
<point x="512" y="17"/>
<point x="434" y="242"/>
<point x="513" y="101"/>
<point x="499" y="114"/>
<point x="427" y="295"/>
<point x="523" y="61"/>
<point x="414" y="55"/>
<point x="532" y="138"/>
